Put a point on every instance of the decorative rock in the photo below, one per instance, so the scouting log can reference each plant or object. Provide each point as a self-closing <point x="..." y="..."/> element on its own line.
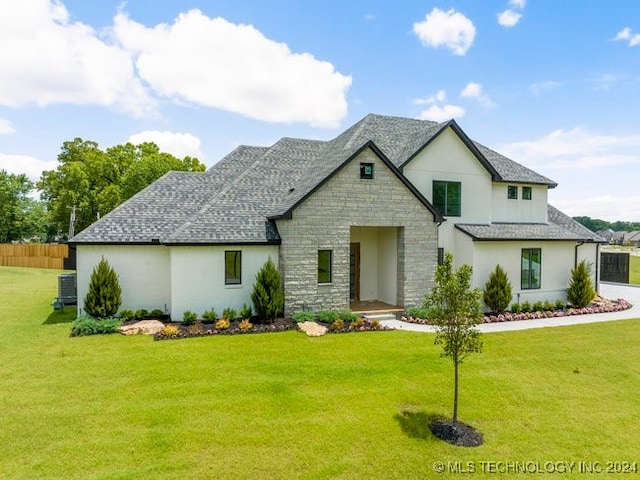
<point x="312" y="329"/>
<point x="144" y="327"/>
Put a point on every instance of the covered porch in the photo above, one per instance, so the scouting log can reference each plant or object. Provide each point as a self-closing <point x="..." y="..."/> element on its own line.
<point x="375" y="263"/>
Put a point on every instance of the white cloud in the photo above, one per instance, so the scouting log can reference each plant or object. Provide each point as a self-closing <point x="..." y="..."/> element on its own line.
<point x="6" y="127"/>
<point x="575" y="150"/>
<point x="605" y="207"/>
<point x="606" y="80"/>
<point x="474" y="90"/>
<point x="509" y="18"/>
<point x="518" y="3"/>
<point x="32" y="167"/>
<point x="54" y="60"/>
<point x="219" y="64"/>
<point x="178" y="144"/>
<point x="450" y="29"/>
<point x="442" y="113"/>
<point x="626" y="34"/>
<point x="538" y="87"/>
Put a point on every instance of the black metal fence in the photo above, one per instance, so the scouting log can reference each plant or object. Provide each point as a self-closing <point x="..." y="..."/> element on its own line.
<point x="614" y="267"/>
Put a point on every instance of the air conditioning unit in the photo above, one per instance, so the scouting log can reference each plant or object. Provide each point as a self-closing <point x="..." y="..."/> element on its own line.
<point x="67" y="291"/>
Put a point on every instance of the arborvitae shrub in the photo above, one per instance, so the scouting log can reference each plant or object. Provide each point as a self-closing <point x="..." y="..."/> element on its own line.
<point x="267" y="296"/>
<point x="104" y="296"/>
<point x="497" y="291"/>
<point x="580" y="291"/>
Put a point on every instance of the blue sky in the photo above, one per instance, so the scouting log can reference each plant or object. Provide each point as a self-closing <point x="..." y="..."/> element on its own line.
<point x="552" y="84"/>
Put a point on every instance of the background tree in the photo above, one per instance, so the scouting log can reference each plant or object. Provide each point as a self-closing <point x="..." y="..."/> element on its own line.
<point x="580" y="291"/>
<point x="461" y="312"/>
<point x="267" y="296"/>
<point x="20" y="215"/>
<point x="104" y="296"/>
<point x="97" y="181"/>
<point x="497" y="291"/>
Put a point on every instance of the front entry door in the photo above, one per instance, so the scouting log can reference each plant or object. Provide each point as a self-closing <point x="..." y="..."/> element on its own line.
<point x="354" y="272"/>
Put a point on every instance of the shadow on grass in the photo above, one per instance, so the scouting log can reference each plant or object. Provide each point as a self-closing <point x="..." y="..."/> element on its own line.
<point x="415" y="423"/>
<point x="66" y="315"/>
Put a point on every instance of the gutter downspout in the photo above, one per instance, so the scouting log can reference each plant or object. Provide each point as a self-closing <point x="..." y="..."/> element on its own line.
<point x="575" y="256"/>
<point x="597" y="264"/>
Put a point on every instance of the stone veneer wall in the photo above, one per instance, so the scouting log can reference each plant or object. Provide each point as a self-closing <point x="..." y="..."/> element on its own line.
<point x="323" y="221"/>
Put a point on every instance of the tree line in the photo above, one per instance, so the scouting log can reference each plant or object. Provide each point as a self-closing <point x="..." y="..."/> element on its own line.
<point x="595" y="224"/>
<point x="88" y="179"/>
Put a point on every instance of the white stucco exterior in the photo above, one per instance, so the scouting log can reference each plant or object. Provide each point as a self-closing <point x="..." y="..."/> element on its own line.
<point x="176" y="278"/>
<point x="519" y="210"/>
<point x="197" y="277"/>
<point x="143" y="272"/>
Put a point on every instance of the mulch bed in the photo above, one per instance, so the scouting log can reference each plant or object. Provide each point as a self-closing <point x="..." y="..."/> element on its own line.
<point x="199" y="329"/>
<point x="460" y="434"/>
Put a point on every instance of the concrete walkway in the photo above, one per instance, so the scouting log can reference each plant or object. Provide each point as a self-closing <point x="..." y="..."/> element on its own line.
<point x="607" y="290"/>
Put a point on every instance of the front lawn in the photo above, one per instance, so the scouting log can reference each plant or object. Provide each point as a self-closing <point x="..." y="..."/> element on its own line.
<point x="284" y="405"/>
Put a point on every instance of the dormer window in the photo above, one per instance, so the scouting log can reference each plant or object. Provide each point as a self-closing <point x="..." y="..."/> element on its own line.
<point x="366" y="171"/>
<point x="512" y="192"/>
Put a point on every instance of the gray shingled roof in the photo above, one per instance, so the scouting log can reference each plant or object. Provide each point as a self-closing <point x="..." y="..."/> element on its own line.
<point x="560" y="227"/>
<point x="237" y="198"/>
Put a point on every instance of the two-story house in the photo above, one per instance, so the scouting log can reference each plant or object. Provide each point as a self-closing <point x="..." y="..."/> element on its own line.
<point x="365" y="216"/>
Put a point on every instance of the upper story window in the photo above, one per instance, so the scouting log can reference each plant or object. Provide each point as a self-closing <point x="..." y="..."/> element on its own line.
<point x="232" y="267"/>
<point x="447" y="198"/>
<point x="526" y="193"/>
<point x="512" y="192"/>
<point x="366" y="171"/>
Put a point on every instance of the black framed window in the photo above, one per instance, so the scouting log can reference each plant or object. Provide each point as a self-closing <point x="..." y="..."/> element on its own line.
<point x="512" y="192"/>
<point x="232" y="267"/>
<point x="526" y="193"/>
<point x="447" y="198"/>
<point x="531" y="268"/>
<point x="366" y="171"/>
<point x="325" y="260"/>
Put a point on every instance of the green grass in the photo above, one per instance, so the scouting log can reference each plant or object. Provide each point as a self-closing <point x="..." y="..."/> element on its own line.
<point x="634" y="270"/>
<point x="282" y="406"/>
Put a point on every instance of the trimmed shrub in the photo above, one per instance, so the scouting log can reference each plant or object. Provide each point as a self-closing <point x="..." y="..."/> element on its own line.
<point x="348" y="316"/>
<point x="525" y="307"/>
<point x="141" y="314"/>
<point x="189" y="317"/>
<point x="169" y="331"/>
<point x="126" y="314"/>
<point x="87" y="325"/>
<point x="357" y="323"/>
<point x="328" y="316"/>
<point x="104" y="296"/>
<point x="229" y="314"/>
<point x="222" y="324"/>
<point x="548" y="306"/>
<point x="497" y="291"/>
<point x="209" y="316"/>
<point x="245" y="325"/>
<point x="156" y="313"/>
<point x="580" y="291"/>
<point x="304" y="316"/>
<point x="538" y="306"/>
<point x="561" y="304"/>
<point x="245" y="311"/>
<point x="267" y="296"/>
<point x="337" y="325"/>
<point x="516" y="308"/>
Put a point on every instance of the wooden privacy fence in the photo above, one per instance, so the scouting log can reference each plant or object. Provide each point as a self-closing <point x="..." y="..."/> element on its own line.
<point x="35" y="255"/>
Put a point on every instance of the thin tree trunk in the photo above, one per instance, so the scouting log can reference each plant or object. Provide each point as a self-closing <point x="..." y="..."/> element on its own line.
<point x="455" y="393"/>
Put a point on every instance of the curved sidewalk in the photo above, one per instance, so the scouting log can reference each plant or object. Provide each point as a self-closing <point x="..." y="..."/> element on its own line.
<point x="607" y="290"/>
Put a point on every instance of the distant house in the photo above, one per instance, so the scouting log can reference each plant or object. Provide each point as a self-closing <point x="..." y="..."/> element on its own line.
<point x="365" y="216"/>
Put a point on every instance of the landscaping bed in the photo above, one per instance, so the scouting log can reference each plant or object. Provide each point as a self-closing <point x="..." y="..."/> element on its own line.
<point x="179" y="330"/>
<point x="597" y="306"/>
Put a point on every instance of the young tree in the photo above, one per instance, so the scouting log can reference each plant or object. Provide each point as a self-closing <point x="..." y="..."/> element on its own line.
<point x="14" y="206"/>
<point x="580" y="291"/>
<point x="461" y="312"/>
<point x="497" y="291"/>
<point x="104" y="296"/>
<point x="267" y="296"/>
